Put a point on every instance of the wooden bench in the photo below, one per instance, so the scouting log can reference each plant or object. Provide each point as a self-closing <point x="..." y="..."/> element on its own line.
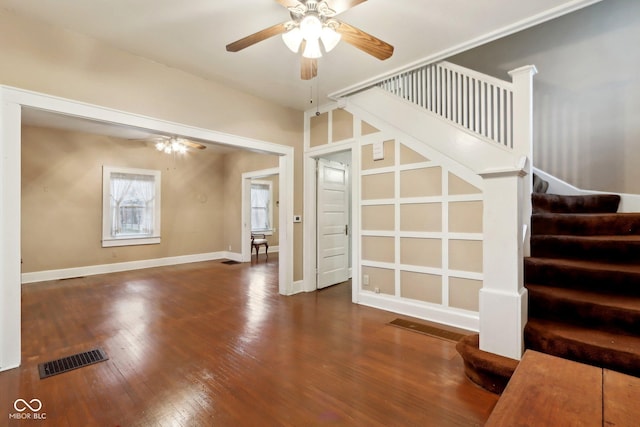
<point x="550" y="391"/>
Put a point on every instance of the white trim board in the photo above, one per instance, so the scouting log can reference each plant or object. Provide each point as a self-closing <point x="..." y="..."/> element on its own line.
<point x="458" y="318"/>
<point x="91" y="270"/>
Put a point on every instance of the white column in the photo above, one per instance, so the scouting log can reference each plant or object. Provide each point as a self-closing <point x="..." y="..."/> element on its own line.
<point x="522" y="80"/>
<point x="503" y="298"/>
<point x="286" y="236"/>
<point x="10" y="117"/>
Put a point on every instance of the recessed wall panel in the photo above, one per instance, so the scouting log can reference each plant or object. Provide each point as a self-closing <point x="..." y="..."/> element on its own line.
<point x="421" y="252"/>
<point x="389" y="159"/>
<point x="464" y="293"/>
<point x="465" y="217"/>
<point x="380" y="249"/>
<point x="378" y="217"/>
<point x="424" y="182"/>
<point x="341" y="125"/>
<point x="459" y="186"/>
<point x="381" y="278"/>
<point x="465" y="255"/>
<point x="421" y="217"/>
<point x="378" y="186"/>
<point x="420" y="286"/>
<point x="367" y="129"/>
<point x="319" y="130"/>
<point x="408" y="156"/>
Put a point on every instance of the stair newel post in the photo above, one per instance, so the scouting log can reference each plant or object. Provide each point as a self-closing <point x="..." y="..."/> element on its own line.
<point x="507" y="223"/>
<point x="522" y="104"/>
<point x="503" y="297"/>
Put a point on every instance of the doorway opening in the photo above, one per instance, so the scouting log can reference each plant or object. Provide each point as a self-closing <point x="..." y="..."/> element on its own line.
<point x="269" y="225"/>
<point x="333" y="219"/>
<point x="15" y="103"/>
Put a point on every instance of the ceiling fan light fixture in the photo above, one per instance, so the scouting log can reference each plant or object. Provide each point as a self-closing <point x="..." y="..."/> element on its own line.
<point x="312" y="49"/>
<point x="174" y="145"/>
<point x="293" y="39"/>
<point x="311" y="27"/>
<point x="330" y="38"/>
<point x="177" y="146"/>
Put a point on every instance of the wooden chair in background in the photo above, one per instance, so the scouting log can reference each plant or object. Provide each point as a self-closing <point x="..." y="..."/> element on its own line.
<point x="258" y="240"/>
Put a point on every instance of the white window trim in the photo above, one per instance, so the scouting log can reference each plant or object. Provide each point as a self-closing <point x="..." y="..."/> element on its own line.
<point x="107" y="239"/>
<point x="269" y="231"/>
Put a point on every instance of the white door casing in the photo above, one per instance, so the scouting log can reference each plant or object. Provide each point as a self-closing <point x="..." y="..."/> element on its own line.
<point x="333" y="220"/>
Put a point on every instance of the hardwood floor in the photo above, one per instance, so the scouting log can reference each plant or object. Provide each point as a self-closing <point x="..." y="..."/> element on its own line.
<point x="209" y="344"/>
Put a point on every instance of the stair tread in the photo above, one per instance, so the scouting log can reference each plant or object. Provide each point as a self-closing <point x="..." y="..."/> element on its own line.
<point x="586" y="264"/>
<point x="581" y="224"/>
<point x="626" y="302"/>
<point x="597" y="338"/>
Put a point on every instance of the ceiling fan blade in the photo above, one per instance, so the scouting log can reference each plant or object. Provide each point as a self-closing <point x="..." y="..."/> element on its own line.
<point x="288" y="3"/>
<point x="256" y="37"/>
<point x="192" y="144"/>
<point x="340" y="6"/>
<point x="365" y="41"/>
<point x="308" y="68"/>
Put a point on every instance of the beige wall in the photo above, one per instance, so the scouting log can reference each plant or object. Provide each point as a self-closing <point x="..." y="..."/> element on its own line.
<point x="45" y="59"/>
<point x="420" y="217"/>
<point x="62" y="199"/>
<point x="586" y="103"/>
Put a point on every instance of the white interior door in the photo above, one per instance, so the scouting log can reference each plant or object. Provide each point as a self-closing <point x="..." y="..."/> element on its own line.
<point x="333" y="220"/>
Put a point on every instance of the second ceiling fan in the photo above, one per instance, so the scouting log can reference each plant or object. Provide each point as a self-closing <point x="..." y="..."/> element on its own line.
<point x="313" y="23"/>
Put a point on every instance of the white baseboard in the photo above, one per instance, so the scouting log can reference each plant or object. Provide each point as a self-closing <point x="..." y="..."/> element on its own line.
<point x="298" y="287"/>
<point x="445" y="316"/>
<point x="68" y="273"/>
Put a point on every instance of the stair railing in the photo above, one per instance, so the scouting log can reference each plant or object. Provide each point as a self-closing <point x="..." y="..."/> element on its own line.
<point x="477" y="102"/>
<point x="499" y="112"/>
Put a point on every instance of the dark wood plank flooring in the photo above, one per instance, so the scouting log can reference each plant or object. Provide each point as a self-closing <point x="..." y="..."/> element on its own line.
<point x="209" y="344"/>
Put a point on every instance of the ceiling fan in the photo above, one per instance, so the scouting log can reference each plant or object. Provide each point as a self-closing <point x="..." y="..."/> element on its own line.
<point x="313" y="22"/>
<point x="174" y="144"/>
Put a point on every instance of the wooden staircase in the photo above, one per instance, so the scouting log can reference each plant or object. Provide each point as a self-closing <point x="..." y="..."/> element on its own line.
<point x="583" y="279"/>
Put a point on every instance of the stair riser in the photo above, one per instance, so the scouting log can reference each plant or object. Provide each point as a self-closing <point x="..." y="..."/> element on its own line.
<point x="625" y="362"/>
<point x="564" y="247"/>
<point x="613" y="319"/>
<point x="595" y="203"/>
<point x="585" y="225"/>
<point x="583" y="278"/>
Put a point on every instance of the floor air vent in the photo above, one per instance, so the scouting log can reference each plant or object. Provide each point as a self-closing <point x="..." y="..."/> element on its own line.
<point x="69" y="363"/>
<point x="230" y="262"/>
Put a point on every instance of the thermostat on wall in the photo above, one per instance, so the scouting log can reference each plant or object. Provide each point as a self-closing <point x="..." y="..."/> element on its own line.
<point x="297" y="218"/>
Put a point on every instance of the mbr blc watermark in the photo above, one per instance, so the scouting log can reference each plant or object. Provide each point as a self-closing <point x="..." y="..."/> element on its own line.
<point x="34" y="406"/>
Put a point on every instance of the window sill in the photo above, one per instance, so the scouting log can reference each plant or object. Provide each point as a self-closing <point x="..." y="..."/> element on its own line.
<point x="130" y="241"/>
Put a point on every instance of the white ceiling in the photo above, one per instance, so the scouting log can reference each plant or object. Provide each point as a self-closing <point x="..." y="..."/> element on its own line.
<point x="191" y="35"/>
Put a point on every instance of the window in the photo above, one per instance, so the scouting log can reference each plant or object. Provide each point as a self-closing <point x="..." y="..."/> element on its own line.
<point x="261" y="207"/>
<point x="130" y="206"/>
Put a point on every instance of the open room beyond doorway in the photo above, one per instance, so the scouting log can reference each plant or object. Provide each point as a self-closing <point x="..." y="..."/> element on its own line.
<point x="15" y="101"/>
